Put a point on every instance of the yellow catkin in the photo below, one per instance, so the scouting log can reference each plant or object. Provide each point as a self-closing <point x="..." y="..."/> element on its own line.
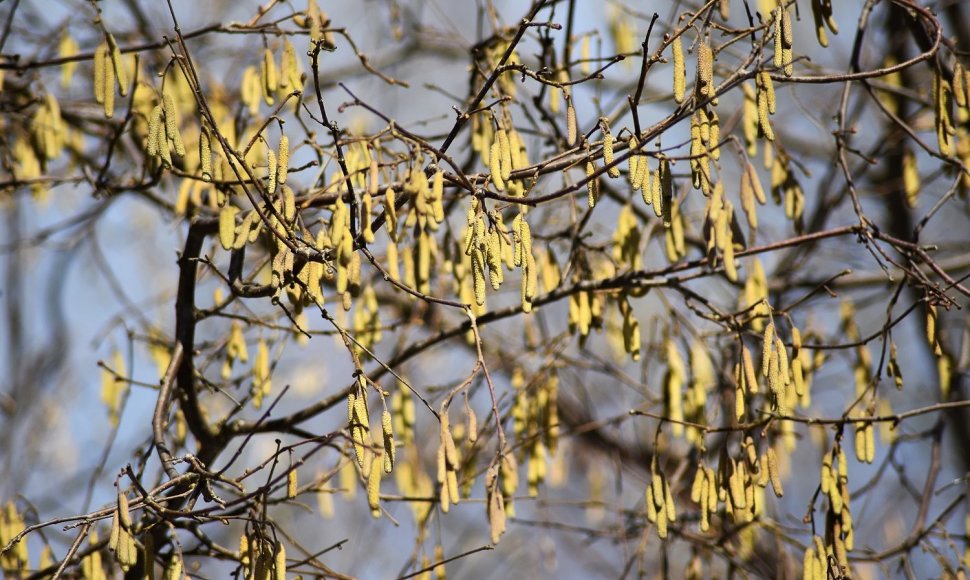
<point x="749" y="119"/>
<point x="172" y="124"/>
<point x="705" y="494"/>
<point x="292" y="75"/>
<point x="680" y="82"/>
<point x="769" y="89"/>
<point x="584" y="55"/>
<point x="161" y="139"/>
<point x="495" y="165"/>
<point x="696" y="488"/>
<point x="751" y="379"/>
<point x="291" y="484"/>
<point x="100" y="62"/>
<point x="571" y="124"/>
<point x="669" y="506"/>
<point x="271" y="168"/>
<point x="374" y="486"/>
<point x="67" y="48"/>
<point x="227" y="226"/>
<point x="783" y="367"/>
<point x="911" y="181"/>
<point x="269" y="77"/>
<point x="943" y="95"/>
<point x="388" y="435"/>
<point x="592" y="184"/>
<point x="437" y="194"/>
<point x="118" y="65"/>
<point x="115" y="535"/>
<point x="649" y="502"/>
<point x="608" y="156"/>
<point x="822" y="12"/>
<point x="636" y="178"/>
<point x="808" y="563"/>
<point x="655" y="192"/>
<point x="773" y="475"/>
<point x="478" y="276"/>
<point x="767" y="345"/>
<point x="752" y="173"/>
<point x="505" y="151"/>
<point x="705" y="68"/>
<point x="205" y="153"/>
<point x="250" y="89"/>
<point x="555" y="96"/>
<point x="960" y="85"/>
<point x="825" y="477"/>
<point x="109" y="88"/>
<point x="283" y="159"/>
<point x="279" y="563"/>
<point x="788" y="40"/>
<point x="764" y="109"/>
<point x="777" y="22"/>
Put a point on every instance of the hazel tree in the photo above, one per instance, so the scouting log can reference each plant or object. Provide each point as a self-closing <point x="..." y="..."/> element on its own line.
<point x="382" y="289"/>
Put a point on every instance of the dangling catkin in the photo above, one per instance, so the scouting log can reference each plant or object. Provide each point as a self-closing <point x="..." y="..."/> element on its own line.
<point x="608" y="157"/>
<point x="778" y="34"/>
<point x="118" y="66"/>
<point x="773" y="474"/>
<point x="171" y="124"/>
<point x="109" y="88"/>
<point x="227" y="226"/>
<point x="283" y="159"/>
<point x="571" y="128"/>
<point x="388" y="434"/>
<point x="205" y="153"/>
<point x="680" y="73"/>
<point x="705" y="68"/>
<point x="271" y="171"/>
<point x="495" y="165"/>
<point x="270" y="81"/>
<point x="100" y="63"/>
<point x="592" y="184"/>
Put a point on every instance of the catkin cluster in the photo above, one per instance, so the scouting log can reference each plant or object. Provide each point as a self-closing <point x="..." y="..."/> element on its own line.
<point x="121" y="540"/>
<point x="705" y="133"/>
<point x="48" y="129"/>
<point x="784" y="59"/>
<point x="839" y="536"/>
<point x="110" y="75"/>
<point x="626" y="239"/>
<point x="766" y="104"/>
<point x="585" y="312"/>
<point x="822" y="13"/>
<point x="629" y="328"/>
<point x="163" y="131"/>
<point x="524" y="258"/>
<point x="262" y="558"/>
<point x="639" y="172"/>
<point x="448" y="464"/>
<point x="719" y="229"/>
<point x="262" y="381"/>
<point x="535" y="420"/>
<point x="659" y="501"/>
